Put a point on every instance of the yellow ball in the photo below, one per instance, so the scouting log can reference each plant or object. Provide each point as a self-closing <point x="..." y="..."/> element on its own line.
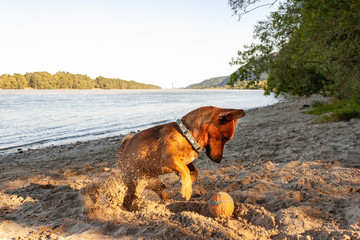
<point x="221" y="205"/>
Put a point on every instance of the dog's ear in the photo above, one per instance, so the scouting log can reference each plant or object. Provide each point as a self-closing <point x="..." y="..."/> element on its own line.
<point x="230" y="114"/>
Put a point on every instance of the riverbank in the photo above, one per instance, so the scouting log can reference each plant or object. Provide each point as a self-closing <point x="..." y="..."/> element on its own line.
<point x="289" y="179"/>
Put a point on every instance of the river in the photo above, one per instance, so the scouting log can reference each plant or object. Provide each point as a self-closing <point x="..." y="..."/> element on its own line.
<point x="38" y="118"/>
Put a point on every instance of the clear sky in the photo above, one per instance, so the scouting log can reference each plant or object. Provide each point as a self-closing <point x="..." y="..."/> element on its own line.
<point x="160" y="42"/>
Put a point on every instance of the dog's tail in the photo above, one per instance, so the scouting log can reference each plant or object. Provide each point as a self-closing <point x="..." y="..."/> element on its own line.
<point x="124" y="142"/>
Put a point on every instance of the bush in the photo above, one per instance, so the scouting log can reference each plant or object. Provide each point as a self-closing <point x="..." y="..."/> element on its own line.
<point x="335" y="110"/>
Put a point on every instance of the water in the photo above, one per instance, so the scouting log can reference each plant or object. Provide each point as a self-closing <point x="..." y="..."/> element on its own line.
<point x="38" y="118"/>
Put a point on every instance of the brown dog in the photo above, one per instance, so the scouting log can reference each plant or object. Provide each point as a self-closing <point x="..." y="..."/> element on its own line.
<point x="172" y="147"/>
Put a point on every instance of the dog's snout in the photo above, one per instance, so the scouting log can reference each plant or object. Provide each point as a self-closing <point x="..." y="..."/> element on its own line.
<point x="215" y="158"/>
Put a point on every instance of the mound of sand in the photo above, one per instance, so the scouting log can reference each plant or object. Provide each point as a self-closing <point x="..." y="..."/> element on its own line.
<point x="289" y="179"/>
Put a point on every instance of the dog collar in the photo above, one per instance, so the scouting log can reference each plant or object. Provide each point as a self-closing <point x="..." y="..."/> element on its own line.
<point x="188" y="136"/>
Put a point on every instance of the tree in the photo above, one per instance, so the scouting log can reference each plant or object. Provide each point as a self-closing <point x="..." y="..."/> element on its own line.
<point x="63" y="80"/>
<point x="5" y="81"/>
<point x="16" y="81"/>
<point x="306" y="47"/>
<point x="20" y="81"/>
<point x="66" y="80"/>
<point x="42" y="80"/>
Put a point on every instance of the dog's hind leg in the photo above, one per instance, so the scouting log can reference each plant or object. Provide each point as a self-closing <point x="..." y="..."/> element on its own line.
<point x="158" y="186"/>
<point x="126" y="139"/>
<point x="130" y="195"/>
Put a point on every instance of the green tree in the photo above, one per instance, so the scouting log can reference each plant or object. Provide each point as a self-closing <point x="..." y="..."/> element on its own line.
<point x="306" y="47"/>
<point x="63" y="80"/>
<point x="6" y="81"/>
<point x="66" y="80"/>
<point x="21" y="82"/>
<point x="28" y="78"/>
<point x="115" y="83"/>
<point x="42" y="80"/>
<point x="16" y="81"/>
<point x="82" y="81"/>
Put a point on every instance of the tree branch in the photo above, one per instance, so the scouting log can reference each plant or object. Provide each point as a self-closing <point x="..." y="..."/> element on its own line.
<point x="264" y="5"/>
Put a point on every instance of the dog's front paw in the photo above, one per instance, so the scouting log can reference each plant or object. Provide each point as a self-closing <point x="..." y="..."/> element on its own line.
<point x="164" y="195"/>
<point x="186" y="189"/>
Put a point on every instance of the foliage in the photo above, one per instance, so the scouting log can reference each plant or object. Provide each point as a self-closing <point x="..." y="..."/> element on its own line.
<point x="66" y="80"/>
<point x="336" y="110"/>
<point x="244" y="85"/>
<point x="216" y="82"/>
<point x="16" y="81"/>
<point x="241" y="7"/>
<point x="115" y="83"/>
<point x="306" y="47"/>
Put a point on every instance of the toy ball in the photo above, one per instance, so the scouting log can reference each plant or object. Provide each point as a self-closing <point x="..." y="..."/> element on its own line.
<point x="221" y="205"/>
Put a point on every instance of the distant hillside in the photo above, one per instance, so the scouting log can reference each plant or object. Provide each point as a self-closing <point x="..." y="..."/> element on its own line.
<point x="211" y="83"/>
<point x="220" y="82"/>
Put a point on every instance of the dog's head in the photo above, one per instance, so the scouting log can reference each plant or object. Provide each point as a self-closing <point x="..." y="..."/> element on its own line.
<point x="219" y="130"/>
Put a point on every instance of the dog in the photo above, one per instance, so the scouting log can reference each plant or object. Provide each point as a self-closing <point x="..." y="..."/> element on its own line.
<point x="172" y="147"/>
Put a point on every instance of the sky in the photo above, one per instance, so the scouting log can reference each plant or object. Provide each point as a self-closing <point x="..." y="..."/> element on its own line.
<point x="163" y="42"/>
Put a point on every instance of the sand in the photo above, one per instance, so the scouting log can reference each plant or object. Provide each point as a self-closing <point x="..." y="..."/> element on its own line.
<point x="289" y="178"/>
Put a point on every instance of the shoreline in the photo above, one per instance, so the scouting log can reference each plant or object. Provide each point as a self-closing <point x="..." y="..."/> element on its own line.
<point x="35" y="144"/>
<point x="288" y="178"/>
<point x="31" y="148"/>
<point x="52" y="129"/>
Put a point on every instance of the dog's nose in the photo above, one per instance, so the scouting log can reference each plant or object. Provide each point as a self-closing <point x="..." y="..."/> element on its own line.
<point x="216" y="159"/>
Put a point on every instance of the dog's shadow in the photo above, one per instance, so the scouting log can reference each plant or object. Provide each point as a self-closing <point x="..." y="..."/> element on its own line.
<point x="199" y="207"/>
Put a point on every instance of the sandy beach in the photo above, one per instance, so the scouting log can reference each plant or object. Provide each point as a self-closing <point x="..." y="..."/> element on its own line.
<point x="289" y="178"/>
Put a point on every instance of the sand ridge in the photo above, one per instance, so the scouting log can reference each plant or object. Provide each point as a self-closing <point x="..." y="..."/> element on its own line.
<point x="289" y="179"/>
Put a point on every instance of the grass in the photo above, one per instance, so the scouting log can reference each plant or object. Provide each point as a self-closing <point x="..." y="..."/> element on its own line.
<point x="335" y="110"/>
